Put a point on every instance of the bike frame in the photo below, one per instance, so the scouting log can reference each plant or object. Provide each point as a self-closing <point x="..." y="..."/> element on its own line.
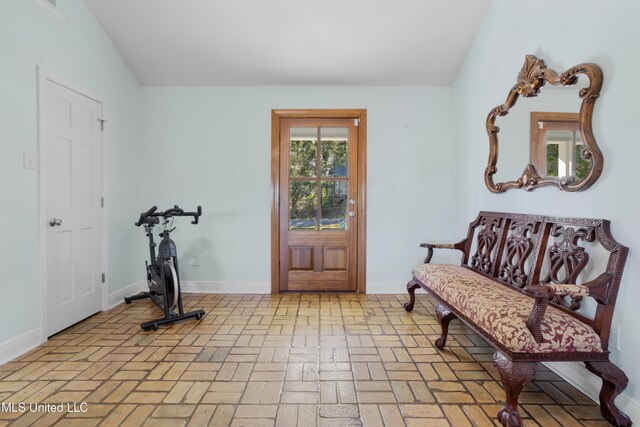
<point x="155" y="267"/>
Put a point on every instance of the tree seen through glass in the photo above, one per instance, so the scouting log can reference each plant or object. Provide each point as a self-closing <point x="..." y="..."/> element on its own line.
<point x="304" y="199"/>
<point x="582" y="165"/>
<point x="553" y="154"/>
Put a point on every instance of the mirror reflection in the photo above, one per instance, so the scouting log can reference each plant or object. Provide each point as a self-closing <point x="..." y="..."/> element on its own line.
<point x="557" y="147"/>
<point x="555" y="141"/>
<point x="554" y="111"/>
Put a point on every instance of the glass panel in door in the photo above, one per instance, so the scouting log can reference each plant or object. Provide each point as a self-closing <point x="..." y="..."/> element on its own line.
<point x="310" y="164"/>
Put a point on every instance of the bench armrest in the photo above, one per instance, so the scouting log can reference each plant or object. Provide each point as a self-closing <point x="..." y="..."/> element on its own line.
<point x="541" y="295"/>
<point x="431" y="246"/>
<point x="560" y="290"/>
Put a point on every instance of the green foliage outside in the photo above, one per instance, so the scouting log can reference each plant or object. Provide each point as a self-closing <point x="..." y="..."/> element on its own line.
<point x="582" y="165"/>
<point x="302" y="194"/>
<point x="553" y="152"/>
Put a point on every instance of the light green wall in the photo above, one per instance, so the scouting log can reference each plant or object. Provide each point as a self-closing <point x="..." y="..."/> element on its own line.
<point x="212" y="146"/>
<point x="566" y="34"/>
<point x="79" y="51"/>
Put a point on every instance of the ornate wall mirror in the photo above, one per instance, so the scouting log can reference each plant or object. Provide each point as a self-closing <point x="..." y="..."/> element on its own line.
<point x="562" y="149"/>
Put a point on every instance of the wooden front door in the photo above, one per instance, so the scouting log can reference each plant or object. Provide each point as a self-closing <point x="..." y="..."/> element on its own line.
<point x="318" y="204"/>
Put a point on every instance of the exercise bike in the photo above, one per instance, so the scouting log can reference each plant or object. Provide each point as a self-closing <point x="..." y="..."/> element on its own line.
<point x="163" y="275"/>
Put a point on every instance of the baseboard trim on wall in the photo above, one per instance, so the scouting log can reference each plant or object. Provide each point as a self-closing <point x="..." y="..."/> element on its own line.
<point x="117" y="297"/>
<point x="577" y="375"/>
<point x="216" y="287"/>
<point x="17" y="346"/>
<point x="387" y="287"/>
<point x="207" y="287"/>
<point x="210" y="287"/>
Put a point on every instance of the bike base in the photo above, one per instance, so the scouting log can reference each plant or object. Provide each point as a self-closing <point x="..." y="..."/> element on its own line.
<point x="141" y="295"/>
<point x="155" y="324"/>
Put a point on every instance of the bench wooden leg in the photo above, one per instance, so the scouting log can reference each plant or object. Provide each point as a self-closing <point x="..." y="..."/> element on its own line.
<point x="411" y="288"/>
<point x="514" y="376"/>
<point x="614" y="381"/>
<point x="444" y="316"/>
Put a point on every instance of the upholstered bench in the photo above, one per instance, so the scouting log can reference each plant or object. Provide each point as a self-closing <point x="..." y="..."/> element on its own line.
<point x="516" y="287"/>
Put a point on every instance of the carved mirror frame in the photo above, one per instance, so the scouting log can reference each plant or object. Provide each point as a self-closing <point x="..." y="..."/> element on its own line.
<point x="533" y="76"/>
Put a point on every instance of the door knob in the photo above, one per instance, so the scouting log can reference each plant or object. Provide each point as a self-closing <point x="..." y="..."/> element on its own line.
<point x="352" y="201"/>
<point x="55" y="221"/>
<point x="352" y="213"/>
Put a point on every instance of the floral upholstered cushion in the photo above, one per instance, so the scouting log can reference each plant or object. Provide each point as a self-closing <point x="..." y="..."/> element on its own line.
<point x="502" y="312"/>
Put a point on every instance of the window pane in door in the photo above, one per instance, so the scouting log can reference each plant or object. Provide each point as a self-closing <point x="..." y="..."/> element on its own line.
<point x="559" y="152"/>
<point x="582" y="165"/>
<point x="303" y="151"/>
<point x="334" y="151"/>
<point x="552" y="159"/>
<point x="303" y="205"/>
<point x="334" y="205"/>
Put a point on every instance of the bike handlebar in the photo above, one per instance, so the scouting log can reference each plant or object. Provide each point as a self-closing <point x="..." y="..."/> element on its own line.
<point x="195" y="215"/>
<point x="143" y="215"/>
<point x="174" y="211"/>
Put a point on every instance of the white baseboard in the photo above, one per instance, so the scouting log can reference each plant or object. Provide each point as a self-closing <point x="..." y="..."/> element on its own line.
<point x="578" y="376"/>
<point x="226" y="287"/>
<point x="117" y="297"/>
<point x="17" y="346"/>
<point x="211" y="287"/>
<point x="387" y="288"/>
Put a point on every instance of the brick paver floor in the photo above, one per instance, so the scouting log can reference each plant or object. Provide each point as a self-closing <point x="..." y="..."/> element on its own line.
<point x="285" y="360"/>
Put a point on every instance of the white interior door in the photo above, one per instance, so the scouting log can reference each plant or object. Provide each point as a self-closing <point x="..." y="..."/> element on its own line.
<point x="73" y="212"/>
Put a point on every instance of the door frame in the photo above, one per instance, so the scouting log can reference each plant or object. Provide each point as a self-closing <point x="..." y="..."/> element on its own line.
<point x="41" y="289"/>
<point x="361" y="245"/>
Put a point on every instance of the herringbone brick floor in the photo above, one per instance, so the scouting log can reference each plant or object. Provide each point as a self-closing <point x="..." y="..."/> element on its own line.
<point x="284" y="360"/>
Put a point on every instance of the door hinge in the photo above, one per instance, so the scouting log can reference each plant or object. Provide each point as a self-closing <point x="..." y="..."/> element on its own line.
<point x="102" y="202"/>
<point x="356" y="122"/>
<point x="104" y="277"/>
<point x="102" y="122"/>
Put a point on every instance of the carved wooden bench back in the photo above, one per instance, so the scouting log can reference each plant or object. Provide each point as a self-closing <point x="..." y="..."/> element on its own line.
<point x="519" y="250"/>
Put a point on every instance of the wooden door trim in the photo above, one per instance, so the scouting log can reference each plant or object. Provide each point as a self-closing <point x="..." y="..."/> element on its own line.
<point x="276" y="117"/>
<point x="43" y="76"/>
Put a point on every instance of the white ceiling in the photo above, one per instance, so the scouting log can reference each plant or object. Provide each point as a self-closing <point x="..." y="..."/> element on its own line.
<point x="292" y="42"/>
